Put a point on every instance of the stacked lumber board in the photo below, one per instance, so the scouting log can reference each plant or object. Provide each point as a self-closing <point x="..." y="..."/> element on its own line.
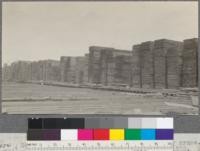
<point x="94" y="69"/>
<point x="136" y="67"/>
<point x="147" y="67"/>
<point x="123" y="74"/>
<point x="81" y="70"/>
<point x="190" y="63"/>
<point x="106" y="67"/>
<point x="160" y="60"/>
<point x="174" y="67"/>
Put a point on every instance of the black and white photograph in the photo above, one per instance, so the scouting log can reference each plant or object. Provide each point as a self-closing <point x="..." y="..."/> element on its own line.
<point x="119" y="58"/>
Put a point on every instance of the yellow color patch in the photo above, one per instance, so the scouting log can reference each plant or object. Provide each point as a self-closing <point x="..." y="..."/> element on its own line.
<point x="116" y="134"/>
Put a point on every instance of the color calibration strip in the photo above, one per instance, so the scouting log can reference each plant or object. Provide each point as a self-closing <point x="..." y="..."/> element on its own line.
<point x="101" y="134"/>
<point x="101" y="129"/>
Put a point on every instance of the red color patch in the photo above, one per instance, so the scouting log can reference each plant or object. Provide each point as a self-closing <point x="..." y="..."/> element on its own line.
<point x="101" y="134"/>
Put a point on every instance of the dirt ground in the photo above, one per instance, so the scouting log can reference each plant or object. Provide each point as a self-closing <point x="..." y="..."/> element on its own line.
<point x="42" y="99"/>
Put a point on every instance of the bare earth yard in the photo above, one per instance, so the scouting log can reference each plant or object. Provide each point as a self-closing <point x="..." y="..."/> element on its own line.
<point x="43" y="99"/>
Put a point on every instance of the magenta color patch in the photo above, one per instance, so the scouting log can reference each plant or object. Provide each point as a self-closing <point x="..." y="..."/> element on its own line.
<point x="85" y="134"/>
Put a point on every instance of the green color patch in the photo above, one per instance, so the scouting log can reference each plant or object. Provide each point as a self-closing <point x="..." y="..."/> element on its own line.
<point x="132" y="134"/>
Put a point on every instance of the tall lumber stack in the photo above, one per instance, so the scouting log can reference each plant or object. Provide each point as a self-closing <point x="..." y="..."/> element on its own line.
<point x="136" y="67"/>
<point x="51" y="70"/>
<point x="190" y="63"/>
<point x="81" y="69"/>
<point x="174" y="67"/>
<point x="35" y="71"/>
<point x="122" y="71"/>
<point x="160" y="50"/>
<point x="102" y="64"/>
<point x="55" y="70"/>
<point x="71" y="71"/>
<point x="123" y="74"/>
<point x="153" y="64"/>
<point x="160" y="63"/>
<point x="85" y="68"/>
<point x="68" y="65"/>
<point x="46" y="70"/>
<point x="6" y="72"/>
<point x="63" y="68"/>
<point x="106" y="66"/>
<point x="19" y="71"/>
<point x="147" y="64"/>
<point x="111" y="71"/>
<point x="95" y="64"/>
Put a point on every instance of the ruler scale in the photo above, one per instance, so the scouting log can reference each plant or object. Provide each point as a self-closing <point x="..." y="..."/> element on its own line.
<point x="176" y="145"/>
<point x="90" y="146"/>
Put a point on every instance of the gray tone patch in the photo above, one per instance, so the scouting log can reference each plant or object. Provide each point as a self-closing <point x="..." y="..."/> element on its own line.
<point x="134" y="123"/>
<point x="120" y="122"/>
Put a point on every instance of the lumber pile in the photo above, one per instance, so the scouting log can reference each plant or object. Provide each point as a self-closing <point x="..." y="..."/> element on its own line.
<point x="147" y="67"/>
<point x="190" y="63"/>
<point x="161" y="66"/>
<point x="174" y="67"/>
<point x="123" y="74"/>
<point x="136" y="67"/>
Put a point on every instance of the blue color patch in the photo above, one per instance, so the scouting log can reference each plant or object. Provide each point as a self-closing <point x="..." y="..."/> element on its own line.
<point x="148" y="134"/>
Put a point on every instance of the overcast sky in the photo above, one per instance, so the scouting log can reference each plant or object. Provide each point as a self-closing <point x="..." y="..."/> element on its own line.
<point x="48" y="30"/>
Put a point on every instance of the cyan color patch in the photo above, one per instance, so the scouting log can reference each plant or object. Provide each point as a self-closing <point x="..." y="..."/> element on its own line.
<point x="148" y="134"/>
